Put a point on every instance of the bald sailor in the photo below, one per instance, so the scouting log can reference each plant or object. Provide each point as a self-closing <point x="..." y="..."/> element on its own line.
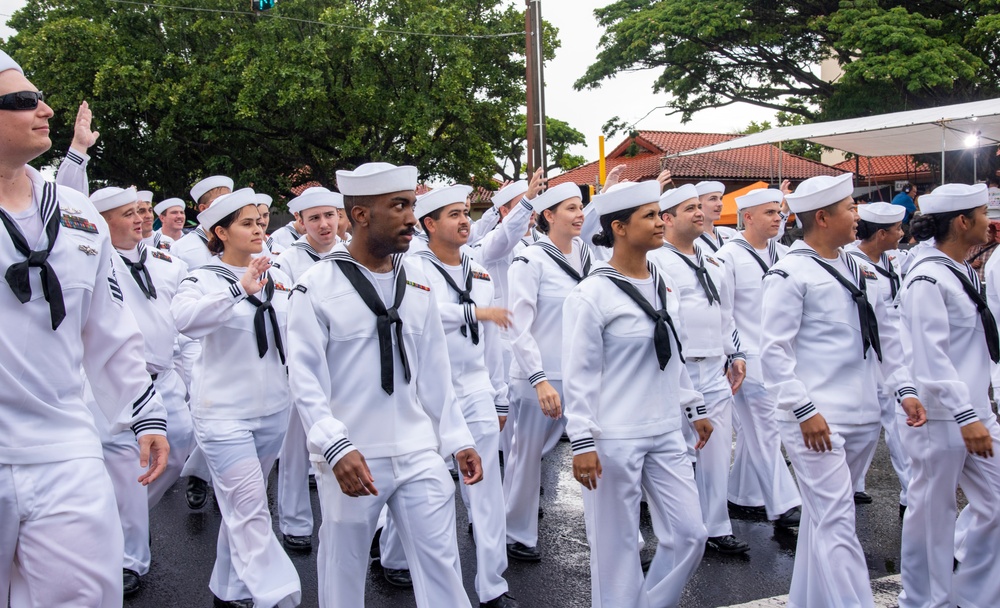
<point x="193" y="246"/>
<point x="714" y="237"/>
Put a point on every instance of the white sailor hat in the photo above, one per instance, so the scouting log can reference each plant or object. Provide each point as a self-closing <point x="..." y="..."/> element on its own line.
<point x="881" y="213"/>
<point x="6" y="63"/>
<point x="704" y="188"/>
<point x="441" y="197"/>
<point x="555" y="195"/>
<point x="372" y="179"/>
<point x="317" y="196"/>
<point x="758" y="196"/>
<point x="145" y="195"/>
<point x="210" y="183"/>
<point x="820" y="191"/>
<point x="676" y="196"/>
<point x="626" y="195"/>
<point x="162" y="206"/>
<point x="509" y="193"/>
<point x="110" y="198"/>
<point x="954" y="197"/>
<point x="264" y="199"/>
<point x="224" y="205"/>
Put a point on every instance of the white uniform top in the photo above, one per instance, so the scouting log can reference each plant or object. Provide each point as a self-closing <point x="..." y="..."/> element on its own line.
<point x="991" y="272"/>
<point x="298" y="258"/>
<point x="888" y="273"/>
<point x="232" y="382"/>
<point x="282" y="238"/>
<point x="538" y="287"/>
<point x="481" y="227"/>
<point x="722" y="235"/>
<point x="744" y="275"/>
<point x="475" y="368"/>
<point x="707" y="330"/>
<point x="496" y="249"/>
<point x="614" y="388"/>
<point x="334" y="368"/>
<point x="813" y="343"/>
<point x="193" y="249"/>
<point x="950" y="358"/>
<point x="153" y="314"/>
<point x="72" y="172"/>
<point x="41" y="403"/>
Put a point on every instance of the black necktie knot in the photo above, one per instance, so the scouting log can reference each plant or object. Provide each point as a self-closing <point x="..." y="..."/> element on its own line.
<point x="392" y="316"/>
<point x="37" y="259"/>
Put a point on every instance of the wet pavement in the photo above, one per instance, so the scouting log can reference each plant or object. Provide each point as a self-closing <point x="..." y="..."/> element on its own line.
<point x="184" y="549"/>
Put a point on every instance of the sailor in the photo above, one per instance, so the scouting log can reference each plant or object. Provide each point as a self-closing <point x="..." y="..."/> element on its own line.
<point x="539" y="279"/>
<point x="487" y="222"/>
<point x="236" y="306"/>
<point x="711" y="338"/>
<point x="464" y="293"/>
<point x="152" y="239"/>
<point x="714" y="237"/>
<point x="264" y="208"/>
<point x="954" y="338"/>
<point x="758" y="462"/>
<point x="282" y="238"/>
<point x="149" y="280"/>
<point x="172" y="218"/>
<point x="879" y="231"/>
<point x="60" y="536"/>
<point x="366" y="306"/>
<point x="317" y="207"/>
<point x="626" y="388"/>
<point x="72" y="171"/>
<point x="193" y="246"/>
<point x="826" y="332"/>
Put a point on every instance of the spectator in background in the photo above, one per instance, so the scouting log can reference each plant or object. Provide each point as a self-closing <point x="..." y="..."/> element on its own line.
<point x="905" y="199"/>
<point x="979" y="254"/>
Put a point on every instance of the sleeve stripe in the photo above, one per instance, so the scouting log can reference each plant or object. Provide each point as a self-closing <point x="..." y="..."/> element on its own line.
<point x="153" y="424"/>
<point x="142" y="401"/>
<point x="536" y="377"/>
<point x="468" y="315"/>
<point x="235" y="290"/>
<point x="526" y="204"/>
<point x="503" y="410"/>
<point x="966" y="416"/>
<point x="73" y="156"/>
<point x="804" y="411"/>
<point x="331" y="453"/>
<point x="585" y="444"/>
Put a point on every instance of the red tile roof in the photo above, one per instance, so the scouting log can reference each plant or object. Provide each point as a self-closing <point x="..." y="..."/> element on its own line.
<point x="886" y="167"/>
<point x="743" y="164"/>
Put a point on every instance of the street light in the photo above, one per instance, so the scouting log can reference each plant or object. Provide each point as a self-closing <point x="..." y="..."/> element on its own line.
<point x="972" y="141"/>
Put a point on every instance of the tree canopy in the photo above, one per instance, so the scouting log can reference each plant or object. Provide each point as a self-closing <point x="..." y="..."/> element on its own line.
<point x="276" y="100"/>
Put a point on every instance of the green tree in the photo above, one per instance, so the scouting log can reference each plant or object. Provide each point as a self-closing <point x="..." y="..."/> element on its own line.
<point x="276" y="102"/>
<point x="559" y="136"/>
<point x="798" y="147"/>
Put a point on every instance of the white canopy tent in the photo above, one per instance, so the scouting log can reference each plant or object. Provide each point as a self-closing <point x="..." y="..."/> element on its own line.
<point x="946" y="128"/>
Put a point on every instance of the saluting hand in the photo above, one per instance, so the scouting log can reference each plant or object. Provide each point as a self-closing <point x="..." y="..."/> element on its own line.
<point x="153" y="452"/>
<point x="500" y="316"/>
<point x="816" y="434"/>
<point x="548" y="399"/>
<point x="614" y="176"/>
<point x="471" y="466"/>
<point x="537" y="184"/>
<point x="253" y="279"/>
<point x="587" y="469"/>
<point x="977" y="439"/>
<point x="664" y="178"/>
<point x="83" y="137"/>
<point x="353" y="476"/>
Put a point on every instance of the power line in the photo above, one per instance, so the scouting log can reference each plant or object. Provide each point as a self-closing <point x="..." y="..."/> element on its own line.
<point x="375" y="30"/>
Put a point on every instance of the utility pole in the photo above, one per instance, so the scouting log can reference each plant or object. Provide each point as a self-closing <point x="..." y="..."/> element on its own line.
<point x="534" y="60"/>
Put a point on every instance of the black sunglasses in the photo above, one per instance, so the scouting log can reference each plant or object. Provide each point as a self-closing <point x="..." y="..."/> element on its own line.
<point x="21" y="100"/>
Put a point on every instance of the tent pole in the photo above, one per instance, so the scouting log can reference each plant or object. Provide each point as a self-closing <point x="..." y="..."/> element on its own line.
<point x="943" y="131"/>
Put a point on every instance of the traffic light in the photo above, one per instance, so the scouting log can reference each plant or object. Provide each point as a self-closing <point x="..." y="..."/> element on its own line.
<point x="261" y="5"/>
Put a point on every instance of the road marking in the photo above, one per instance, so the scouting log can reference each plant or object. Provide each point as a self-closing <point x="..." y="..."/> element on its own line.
<point x="886" y="591"/>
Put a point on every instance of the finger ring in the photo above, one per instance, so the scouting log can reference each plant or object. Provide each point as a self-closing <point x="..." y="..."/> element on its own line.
<point x="582" y="475"/>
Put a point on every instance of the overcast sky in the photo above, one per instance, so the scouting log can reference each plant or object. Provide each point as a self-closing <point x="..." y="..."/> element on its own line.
<point x="628" y="96"/>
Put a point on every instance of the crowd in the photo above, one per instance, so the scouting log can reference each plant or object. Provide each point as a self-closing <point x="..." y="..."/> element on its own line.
<point x="382" y="338"/>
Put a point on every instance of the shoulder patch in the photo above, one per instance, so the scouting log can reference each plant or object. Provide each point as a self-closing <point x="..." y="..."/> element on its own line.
<point x="711" y="260"/>
<point x="77" y="222"/>
<point x="777" y="272"/>
<point x="520" y="259"/>
<point x="156" y="253"/>
<point x="923" y="277"/>
<point x="481" y="275"/>
<point x="418" y="286"/>
<point x="301" y="288"/>
<point x="190" y="278"/>
<point x="275" y="265"/>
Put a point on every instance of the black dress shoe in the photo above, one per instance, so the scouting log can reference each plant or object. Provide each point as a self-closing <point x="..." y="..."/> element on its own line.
<point x="376" y="550"/>
<point x="197" y="492"/>
<point x="130" y="582"/>
<point x="504" y="601"/>
<point x="299" y="544"/>
<point x="727" y="545"/>
<point x="247" y="603"/>
<point x="541" y="512"/>
<point x="790" y="518"/>
<point x="523" y="553"/>
<point x="644" y="562"/>
<point x="902" y="511"/>
<point x="862" y="498"/>
<point x="744" y="512"/>
<point x="397" y="578"/>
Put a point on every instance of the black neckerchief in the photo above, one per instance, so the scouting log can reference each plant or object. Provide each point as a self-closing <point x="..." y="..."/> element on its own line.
<point x="310" y="251"/>
<point x="772" y="252"/>
<point x="560" y="259"/>
<point x="464" y="295"/>
<point x="885" y="269"/>
<point x="385" y="318"/>
<point x="663" y="324"/>
<point x="263" y="307"/>
<point x="700" y="272"/>
<point x="866" y="314"/>
<point x="17" y="275"/>
<point x="140" y="273"/>
<point x="713" y="244"/>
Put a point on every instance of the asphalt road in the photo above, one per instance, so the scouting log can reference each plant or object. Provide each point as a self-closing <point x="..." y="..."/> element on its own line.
<point x="184" y="549"/>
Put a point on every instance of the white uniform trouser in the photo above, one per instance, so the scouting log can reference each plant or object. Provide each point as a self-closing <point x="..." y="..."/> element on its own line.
<point x="60" y="536"/>
<point x="660" y="467"/>
<point x="180" y="433"/>
<point x="121" y="458"/>
<point x="712" y="473"/>
<point x="249" y="560"/>
<point x="744" y="487"/>
<point x="507" y="434"/>
<point x="486" y="506"/>
<point x="295" y="516"/>
<point x="830" y="568"/>
<point x="941" y="463"/>
<point x="421" y="497"/>
<point x="535" y="435"/>
<point x="900" y="461"/>
<point x="761" y="449"/>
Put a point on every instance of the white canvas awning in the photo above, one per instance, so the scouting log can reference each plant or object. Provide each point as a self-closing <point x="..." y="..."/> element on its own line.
<point x="912" y="132"/>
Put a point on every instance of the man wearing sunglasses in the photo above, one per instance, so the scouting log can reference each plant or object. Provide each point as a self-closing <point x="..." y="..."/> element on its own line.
<point x="61" y="540"/>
